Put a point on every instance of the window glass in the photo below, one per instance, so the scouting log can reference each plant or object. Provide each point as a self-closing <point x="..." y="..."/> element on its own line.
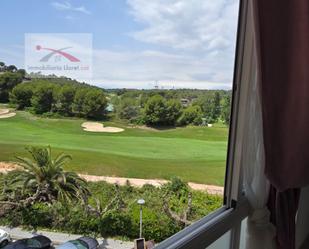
<point x="115" y="115"/>
<point x="222" y="243"/>
<point x="33" y="243"/>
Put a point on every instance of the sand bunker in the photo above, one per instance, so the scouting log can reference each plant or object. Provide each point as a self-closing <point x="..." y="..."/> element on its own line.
<point x="9" y="115"/>
<point x="98" y="127"/>
<point x="5" y="113"/>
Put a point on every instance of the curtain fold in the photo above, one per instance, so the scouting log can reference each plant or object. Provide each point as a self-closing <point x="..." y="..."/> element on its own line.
<point x="260" y="232"/>
<point x="284" y="204"/>
<point x="283" y="57"/>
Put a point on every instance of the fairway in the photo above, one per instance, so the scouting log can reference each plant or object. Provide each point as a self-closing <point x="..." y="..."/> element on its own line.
<point x="195" y="154"/>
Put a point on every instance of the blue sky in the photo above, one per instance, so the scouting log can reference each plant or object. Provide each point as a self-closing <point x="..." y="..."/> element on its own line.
<point x="178" y="43"/>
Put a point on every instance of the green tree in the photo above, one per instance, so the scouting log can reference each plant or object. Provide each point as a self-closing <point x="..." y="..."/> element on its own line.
<point x="11" y="68"/>
<point x="191" y="115"/>
<point x="128" y="109"/>
<point x="94" y="104"/>
<point x="43" y="98"/>
<point x="216" y="106"/>
<point x="78" y="102"/>
<point x="22" y="72"/>
<point x="2" y="66"/>
<point x="21" y="95"/>
<point x="155" y="110"/>
<point x="158" y="111"/>
<point x="173" y="111"/>
<point x="206" y="105"/>
<point x="226" y="109"/>
<point x="65" y="99"/>
<point x="8" y="81"/>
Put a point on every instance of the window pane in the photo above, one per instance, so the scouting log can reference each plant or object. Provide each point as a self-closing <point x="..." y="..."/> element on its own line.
<point x="115" y="111"/>
<point x="222" y="243"/>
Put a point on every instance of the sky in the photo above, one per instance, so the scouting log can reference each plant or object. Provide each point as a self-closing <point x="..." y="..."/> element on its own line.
<point x="135" y="43"/>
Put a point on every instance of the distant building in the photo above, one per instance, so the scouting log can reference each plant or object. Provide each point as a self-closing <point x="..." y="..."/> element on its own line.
<point x="185" y="102"/>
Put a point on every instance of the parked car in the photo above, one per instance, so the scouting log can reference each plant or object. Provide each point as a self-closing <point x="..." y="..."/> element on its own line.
<point x="80" y="243"/>
<point x="36" y="242"/>
<point x="4" y="238"/>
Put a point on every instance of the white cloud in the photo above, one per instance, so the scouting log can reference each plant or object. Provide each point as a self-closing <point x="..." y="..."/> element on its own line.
<point x="66" y="6"/>
<point x="183" y="24"/>
<point x="203" y="32"/>
<point x="193" y="46"/>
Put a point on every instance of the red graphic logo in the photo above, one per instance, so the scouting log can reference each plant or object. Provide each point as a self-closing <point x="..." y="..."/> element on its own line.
<point x="57" y="52"/>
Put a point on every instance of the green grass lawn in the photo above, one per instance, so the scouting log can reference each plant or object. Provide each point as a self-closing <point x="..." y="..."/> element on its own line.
<point x="193" y="153"/>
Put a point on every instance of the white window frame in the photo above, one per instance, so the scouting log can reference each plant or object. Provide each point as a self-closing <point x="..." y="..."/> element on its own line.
<point x="235" y="208"/>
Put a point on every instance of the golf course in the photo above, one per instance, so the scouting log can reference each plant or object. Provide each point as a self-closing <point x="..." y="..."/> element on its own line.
<point x="194" y="153"/>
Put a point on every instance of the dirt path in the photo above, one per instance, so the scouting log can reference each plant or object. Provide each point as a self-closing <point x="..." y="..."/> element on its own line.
<point x="136" y="182"/>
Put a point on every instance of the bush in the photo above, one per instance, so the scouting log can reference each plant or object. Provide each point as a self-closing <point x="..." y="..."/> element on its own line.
<point x="124" y="222"/>
<point x="115" y="223"/>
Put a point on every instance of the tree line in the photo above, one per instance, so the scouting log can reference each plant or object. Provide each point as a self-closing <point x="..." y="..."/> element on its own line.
<point x="10" y="76"/>
<point x="45" y="97"/>
<point x="172" y="107"/>
<point x="52" y="95"/>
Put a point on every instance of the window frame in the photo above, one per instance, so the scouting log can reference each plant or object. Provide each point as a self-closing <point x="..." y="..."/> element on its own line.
<point x="235" y="208"/>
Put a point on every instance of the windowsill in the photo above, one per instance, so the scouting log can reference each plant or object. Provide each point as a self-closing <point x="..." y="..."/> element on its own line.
<point x="207" y="230"/>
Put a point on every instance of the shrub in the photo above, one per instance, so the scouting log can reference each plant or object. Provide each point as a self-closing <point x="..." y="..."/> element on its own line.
<point x="115" y="223"/>
<point x="73" y="218"/>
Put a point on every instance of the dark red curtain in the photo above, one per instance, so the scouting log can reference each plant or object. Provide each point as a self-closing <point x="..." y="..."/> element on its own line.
<point x="284" y="206"/>
<point x="283" y="40"/>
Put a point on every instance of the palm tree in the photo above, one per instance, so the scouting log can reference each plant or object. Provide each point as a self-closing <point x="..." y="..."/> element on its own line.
<point x="43" y="178"/>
